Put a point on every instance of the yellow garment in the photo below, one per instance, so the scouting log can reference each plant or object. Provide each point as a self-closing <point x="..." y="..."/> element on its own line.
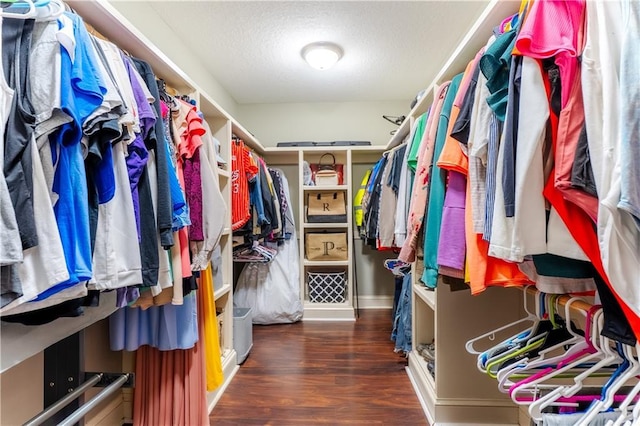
<point x="467" y="275"/>
<point x="357" y="201"/>
<point x="211" y="342"/>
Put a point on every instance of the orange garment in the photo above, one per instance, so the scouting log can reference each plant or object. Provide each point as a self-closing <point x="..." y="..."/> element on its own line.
<point x="243" y="168"/>
<point x="208" y="324"/>
<point x="481" y="270"/>
<point x="452" y="158"/>
<point x="484" y="270"/>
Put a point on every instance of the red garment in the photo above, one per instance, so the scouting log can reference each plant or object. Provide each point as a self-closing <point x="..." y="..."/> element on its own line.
<point x="570" y="123"/>
<point x="579" y="223"/>
<point x="243" y="168"/>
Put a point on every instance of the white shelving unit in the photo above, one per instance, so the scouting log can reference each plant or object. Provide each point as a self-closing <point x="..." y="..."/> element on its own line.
<point x="348" y="156"/>
<point x="454" y="391"/>
<point x="313" y="309"/>
<point x="21" y="344"/>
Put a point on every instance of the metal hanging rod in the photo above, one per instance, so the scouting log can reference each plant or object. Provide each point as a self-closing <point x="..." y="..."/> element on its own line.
<point x="93" y="402"/>
<point x="60" y="404"/>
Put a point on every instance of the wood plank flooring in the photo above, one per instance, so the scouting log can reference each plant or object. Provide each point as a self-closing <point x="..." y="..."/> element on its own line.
<point x="329" y="373"/>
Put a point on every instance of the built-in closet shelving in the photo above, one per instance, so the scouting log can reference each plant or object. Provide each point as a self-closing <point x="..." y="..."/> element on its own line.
<point x="455" y="391"/>
<point x="348" y="156"/>
<point x="20" y="343"/>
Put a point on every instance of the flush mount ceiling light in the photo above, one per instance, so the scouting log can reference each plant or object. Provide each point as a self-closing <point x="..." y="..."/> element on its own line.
<point x="322" y="55"/>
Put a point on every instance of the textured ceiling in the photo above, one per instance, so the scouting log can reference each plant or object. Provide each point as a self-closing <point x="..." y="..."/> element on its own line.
<point x="392" y="49"/>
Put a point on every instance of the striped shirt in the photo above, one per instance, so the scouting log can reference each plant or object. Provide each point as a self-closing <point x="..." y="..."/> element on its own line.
<point x="243" y="168"/>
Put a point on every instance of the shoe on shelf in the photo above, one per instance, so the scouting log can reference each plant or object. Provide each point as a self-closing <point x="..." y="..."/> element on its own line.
<point x="427" y="351"/>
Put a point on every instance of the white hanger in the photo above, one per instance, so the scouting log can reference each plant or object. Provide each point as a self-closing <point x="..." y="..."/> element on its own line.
<point x="628" y="401"/>
<point x="530" y="386"/>
<point x="608" y="357"/>
<point x="31" y="13"/>
<point x="636" y="415"/>
<point x="605" y="403"/>
<point x="491" y="335"/>
<point x="49" y="11"/>
<point x="578" y="343"/>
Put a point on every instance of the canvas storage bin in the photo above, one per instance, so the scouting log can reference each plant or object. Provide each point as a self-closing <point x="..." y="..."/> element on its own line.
<point x="326" y="207"/>
<point x="327" y="287"/>
<point x="328" y="246"/>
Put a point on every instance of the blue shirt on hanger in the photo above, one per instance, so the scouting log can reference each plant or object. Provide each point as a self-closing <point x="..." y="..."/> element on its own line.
<point x="82" y="92"/>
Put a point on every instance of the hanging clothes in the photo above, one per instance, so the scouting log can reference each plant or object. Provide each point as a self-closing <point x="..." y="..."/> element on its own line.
<point x="208" y="323"/>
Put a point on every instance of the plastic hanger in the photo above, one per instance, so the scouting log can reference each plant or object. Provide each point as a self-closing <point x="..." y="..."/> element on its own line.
<point x="542" y="361"/>
<point x="540" y="330"/>
<point x="636" y="415"/>
<point x="564" y="391"/>
<point x="532" y="344"/>
<point x="491" y="335"/>
<point x="572" y="359"/>
<point x="629" y="368"/>
<point x="630" y="398"/>
<point x="50" y="10"/>
<point x="553" y="334"/>
<point x="19" y="5"/>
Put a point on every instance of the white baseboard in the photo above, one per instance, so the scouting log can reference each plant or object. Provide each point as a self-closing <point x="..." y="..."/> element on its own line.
<point x="375" y="302"/>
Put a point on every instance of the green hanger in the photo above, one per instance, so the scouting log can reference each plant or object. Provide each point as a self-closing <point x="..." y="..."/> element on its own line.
<point x="536" y="342"/>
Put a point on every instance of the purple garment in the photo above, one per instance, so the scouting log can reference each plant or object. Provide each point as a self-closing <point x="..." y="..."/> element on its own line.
<point x="452" y="245"/>
<point x="137" y="151"/>
<point x="136" y="162"/>
<point x="146" y="113"/>
<point x="193" y="189"/>
<point x="126" y="296"/>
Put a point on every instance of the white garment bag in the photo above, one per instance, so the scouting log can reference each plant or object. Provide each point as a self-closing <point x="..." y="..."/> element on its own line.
<point x="272" y="290"/>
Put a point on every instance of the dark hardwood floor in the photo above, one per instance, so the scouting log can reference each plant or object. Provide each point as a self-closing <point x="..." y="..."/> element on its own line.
<point x="328" y="373"/>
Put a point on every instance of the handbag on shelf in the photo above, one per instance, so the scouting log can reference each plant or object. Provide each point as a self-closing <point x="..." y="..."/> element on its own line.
<point x="329" y="207"/>
<point x="325" y="173"/>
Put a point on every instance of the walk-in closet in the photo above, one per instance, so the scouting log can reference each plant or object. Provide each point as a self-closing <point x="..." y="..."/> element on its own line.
<point x="320" y="212"/>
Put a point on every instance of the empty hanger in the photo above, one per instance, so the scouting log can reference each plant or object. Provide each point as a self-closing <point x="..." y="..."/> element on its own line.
<point x="20" y="5"/>
<point x="573" y="359"/>
<point x="543" y="359"/>
<point x="627" y="370"/>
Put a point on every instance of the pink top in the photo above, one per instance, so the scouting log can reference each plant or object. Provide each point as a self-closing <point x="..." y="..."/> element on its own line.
<point x="555" y="28"/>
<point x="418" y="203"/>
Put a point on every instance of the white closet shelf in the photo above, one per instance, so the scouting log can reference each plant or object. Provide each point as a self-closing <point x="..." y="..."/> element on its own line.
<point x="428" y="296"/>
<point x="113" y="25"/>
<point x="325" y="225"/>
<point x="226" y="288"/>
<point x="422" y="365"/>
<point x="328" y="311"/>
<point x="325" y="188"/>
<point x="246" y="136"/>
<point x="321" y="149"/>
<point x="224" y="173"/>
<point x="326" y="262"/>
<point x="19" y="342"/>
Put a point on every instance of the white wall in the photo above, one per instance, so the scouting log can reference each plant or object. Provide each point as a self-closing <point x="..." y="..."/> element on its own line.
<point x="322" y="121"/>
<point x="145" y="19"/>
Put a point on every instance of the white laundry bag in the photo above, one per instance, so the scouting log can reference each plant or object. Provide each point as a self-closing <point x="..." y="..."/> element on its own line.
<point x="272" y="290"/>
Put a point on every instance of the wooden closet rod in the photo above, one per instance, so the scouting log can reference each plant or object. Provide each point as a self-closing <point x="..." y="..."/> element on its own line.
<point x="576" y="305"/>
